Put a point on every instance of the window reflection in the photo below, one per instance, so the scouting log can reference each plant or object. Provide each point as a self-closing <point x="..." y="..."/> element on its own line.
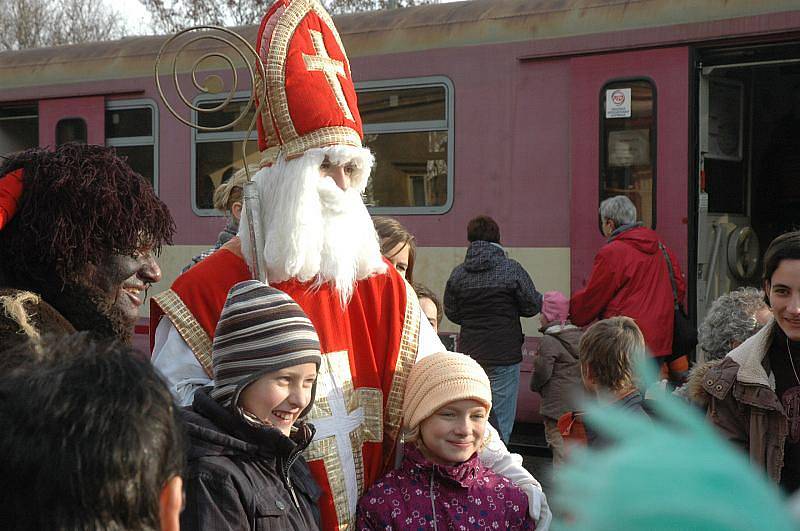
<point x="628" y="152"/>
<point x="410" y="169"/>
<point x="408" y="129"/>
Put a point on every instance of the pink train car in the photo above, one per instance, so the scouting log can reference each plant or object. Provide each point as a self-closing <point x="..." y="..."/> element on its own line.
<point x="531" y="112"/>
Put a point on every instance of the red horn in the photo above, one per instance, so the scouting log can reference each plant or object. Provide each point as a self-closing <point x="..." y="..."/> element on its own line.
<point x="10" y="192"/>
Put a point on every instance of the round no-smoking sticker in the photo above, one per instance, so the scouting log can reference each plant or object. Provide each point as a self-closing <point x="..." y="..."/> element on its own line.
<point x="618" y="103"/>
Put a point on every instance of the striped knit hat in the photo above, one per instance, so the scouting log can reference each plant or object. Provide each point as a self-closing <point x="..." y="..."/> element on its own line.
<point x="261" y="330"/>
<point x="439" y="379"/>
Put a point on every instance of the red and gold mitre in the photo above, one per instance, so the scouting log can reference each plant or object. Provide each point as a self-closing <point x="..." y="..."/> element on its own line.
<point x="310" y="96"/>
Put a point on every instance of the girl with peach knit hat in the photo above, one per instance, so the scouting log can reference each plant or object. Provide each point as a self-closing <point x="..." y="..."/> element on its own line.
<point x="441" y="483"/>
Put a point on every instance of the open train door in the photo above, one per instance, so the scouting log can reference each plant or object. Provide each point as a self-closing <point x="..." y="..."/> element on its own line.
<point x="748" y="161"/>
<point x="727" y="245"/>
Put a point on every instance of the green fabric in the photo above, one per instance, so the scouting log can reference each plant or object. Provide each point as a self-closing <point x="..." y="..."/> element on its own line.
<point x="673" y="473"/>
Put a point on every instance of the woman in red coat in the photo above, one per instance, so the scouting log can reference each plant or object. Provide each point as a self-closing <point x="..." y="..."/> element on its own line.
<point x="630" y="277"/>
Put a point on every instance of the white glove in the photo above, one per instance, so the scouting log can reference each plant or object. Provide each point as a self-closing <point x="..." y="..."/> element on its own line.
<point x="538" y="507"/>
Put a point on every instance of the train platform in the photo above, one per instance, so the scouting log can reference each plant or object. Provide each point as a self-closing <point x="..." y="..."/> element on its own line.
<point x="528" y="440"/>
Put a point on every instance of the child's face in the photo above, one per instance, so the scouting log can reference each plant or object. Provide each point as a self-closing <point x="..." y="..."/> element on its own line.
<point x="279" y="397"/>
<point x="454" y="432"/>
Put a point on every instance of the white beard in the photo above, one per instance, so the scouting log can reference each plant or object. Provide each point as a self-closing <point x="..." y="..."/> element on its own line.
<point x="314" y="231"/>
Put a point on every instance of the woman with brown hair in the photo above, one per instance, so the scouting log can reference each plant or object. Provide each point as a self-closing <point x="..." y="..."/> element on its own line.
<point x="754" y="393"/>
<point x="398" y="245"/>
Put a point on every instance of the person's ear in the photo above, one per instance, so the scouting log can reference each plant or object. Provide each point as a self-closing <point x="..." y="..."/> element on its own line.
<point x="236" y="210"/>
<point x="170" y="503"/>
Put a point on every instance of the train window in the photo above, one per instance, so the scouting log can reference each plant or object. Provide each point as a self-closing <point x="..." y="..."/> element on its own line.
<point x="71" y="130"/>
<point x="408" y="125"/>
<point x="404" y="105"/>
<point x="131" y="129"/>
<point x="628" y="144"/>
<point x="19" y="128"/>
<point x="218" y="154"/>
<point x="226" y="115"/>
<point x="215" y="163"/>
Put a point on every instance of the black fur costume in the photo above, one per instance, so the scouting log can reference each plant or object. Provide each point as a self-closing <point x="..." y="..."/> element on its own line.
<point x="81" y="205"/>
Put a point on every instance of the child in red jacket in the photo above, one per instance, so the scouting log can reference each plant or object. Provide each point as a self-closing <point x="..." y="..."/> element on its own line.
<point x="441" y="483"/>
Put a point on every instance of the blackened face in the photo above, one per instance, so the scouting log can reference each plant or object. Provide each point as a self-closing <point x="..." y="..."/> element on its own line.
<point x="122" y="282"/>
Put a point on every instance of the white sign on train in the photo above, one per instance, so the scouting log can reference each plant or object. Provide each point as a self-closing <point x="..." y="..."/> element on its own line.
<point x="618" y="103"/>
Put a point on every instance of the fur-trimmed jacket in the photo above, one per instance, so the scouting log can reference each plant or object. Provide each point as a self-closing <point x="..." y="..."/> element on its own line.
<point x="743" y="404"/>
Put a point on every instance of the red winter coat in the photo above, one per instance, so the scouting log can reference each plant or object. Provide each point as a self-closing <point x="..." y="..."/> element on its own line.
<point x="630" y="277"/>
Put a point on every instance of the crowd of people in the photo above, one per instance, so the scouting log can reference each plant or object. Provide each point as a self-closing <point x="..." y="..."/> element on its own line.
<point x="296" y="379"/>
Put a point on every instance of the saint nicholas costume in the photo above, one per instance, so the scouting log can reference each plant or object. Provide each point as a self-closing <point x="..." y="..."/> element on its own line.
<point x="370" y="338"/>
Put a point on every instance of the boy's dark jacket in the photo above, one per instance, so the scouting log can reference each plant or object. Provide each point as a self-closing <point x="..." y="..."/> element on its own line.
<point x="242" y="477"/>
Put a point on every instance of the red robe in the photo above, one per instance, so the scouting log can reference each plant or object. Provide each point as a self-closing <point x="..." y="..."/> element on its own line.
<point x="369" y="347"/>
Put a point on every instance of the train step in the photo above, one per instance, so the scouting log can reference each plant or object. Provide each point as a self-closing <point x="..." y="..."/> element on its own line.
<point x="529" y="439"/>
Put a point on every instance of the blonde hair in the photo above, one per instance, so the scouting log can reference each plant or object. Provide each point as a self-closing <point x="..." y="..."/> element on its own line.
<point x="609" y="350"/>
<point x="230" y="191"/>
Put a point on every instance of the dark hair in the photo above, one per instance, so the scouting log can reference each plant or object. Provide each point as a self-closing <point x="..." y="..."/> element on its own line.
<point x="391" y="234"/>
<point x="483" y="228"/>
<point x="784" y="247"/>
<point x="424" y="293"/>
<point x="90" y="437"/>
<point x="81" y="204"/>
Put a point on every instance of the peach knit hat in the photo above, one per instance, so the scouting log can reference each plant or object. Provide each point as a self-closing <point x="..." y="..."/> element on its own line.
<point x="439" y="379"/>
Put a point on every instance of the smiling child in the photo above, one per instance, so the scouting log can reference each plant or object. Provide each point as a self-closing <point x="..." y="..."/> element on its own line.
<point x="247" y="431"/>
<point x="441" y="483"/>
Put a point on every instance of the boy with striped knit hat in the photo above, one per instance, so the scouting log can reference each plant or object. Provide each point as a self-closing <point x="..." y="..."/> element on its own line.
<point x="247" y="430"/>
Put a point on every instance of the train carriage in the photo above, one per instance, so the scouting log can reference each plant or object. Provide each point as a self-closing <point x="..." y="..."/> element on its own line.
<point x="531" y="112"/>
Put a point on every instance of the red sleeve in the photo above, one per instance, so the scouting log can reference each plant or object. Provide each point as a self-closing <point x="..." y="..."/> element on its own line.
<point x="588" y="304"/>
<point x="204" y="289"/>
<point x="11" y="187"/>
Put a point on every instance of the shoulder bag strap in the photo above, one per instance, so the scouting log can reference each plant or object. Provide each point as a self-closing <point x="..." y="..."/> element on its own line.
<point x="671" y="274"/>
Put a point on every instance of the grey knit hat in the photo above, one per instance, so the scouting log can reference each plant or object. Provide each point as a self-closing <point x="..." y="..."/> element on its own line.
<point x="261" y="330"/>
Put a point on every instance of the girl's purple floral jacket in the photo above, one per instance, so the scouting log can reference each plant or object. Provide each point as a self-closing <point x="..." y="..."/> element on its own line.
<point x="421" y="495"/>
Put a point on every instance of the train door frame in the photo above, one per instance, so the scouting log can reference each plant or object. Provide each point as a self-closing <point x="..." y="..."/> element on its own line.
<point x="90" y="109"/>
<point x="737" y="251"/>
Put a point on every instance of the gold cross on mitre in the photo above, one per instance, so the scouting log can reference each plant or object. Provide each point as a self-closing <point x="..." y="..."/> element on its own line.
<point x="332" y="68"/>
<point x="345" y="418"/>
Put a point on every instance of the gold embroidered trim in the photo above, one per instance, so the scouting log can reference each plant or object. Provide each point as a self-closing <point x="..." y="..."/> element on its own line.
<point x="326" y="136"/>
<point x="187" y="326"/>
<point x="335" y="383"/>
<point x="271" y="137"/>
<point x="276" y="80"/>
<point x="409" y="346"/>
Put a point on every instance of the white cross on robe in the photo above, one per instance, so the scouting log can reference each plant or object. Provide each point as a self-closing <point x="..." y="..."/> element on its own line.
<point x="332" y="68"/>
<point x="334" y="416"/>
